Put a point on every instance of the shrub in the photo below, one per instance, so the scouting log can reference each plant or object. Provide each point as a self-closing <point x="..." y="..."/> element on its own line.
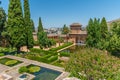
<point x="93" y="64"/>
<point x="1" y="54"/>
<point x="47" y="56"/>
<point x="23" y="69"/>
<point x="60" y="47"/>
<point x="34" y="69"/>
<point x="66" y="54"/>
<point x="52" y="58"/>
<point x="42" y="52"/>
<point x="36" y="43"/>
<point x="11" y="62"/>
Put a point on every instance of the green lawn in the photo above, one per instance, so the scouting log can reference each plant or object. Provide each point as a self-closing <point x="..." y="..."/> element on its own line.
<point x="9" y="62"/>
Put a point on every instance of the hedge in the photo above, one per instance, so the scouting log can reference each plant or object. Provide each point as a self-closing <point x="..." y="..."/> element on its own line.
<point x="1" y="54"/>
<point x="40" y="51"/>
<point x="34" y="69"/>
<point x="52" y="58"/>
<point x="11" y="62"/>
<point x="66" y="54"/>
<point x="61" y="47"/>
<point x="23" y="69"/>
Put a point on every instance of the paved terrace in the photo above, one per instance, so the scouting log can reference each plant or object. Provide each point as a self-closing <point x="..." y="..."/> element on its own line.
<point x="13" y="71"/>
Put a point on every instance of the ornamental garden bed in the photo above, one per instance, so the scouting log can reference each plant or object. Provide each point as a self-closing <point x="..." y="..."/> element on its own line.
<point x="29" y="69"/>
<point x="9" y="62"/>
<point x="40" y="73"/>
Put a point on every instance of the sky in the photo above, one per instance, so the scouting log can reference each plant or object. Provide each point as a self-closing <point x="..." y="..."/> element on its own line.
<point x="56" y="13"/>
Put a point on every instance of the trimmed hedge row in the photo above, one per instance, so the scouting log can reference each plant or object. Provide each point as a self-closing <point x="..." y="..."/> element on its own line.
<point x="1" y="54"/>
<point x="40" y="51"/>
<point x="60" y="47"/>
<point x="7" y="49"/>
<point x="66" y="54"/>
<point x="52" y="58"/>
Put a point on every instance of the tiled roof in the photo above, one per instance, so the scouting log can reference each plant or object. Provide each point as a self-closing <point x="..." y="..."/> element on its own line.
<point x="76" y="24"/>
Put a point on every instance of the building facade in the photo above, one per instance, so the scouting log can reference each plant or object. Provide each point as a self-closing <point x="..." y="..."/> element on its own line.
<point x="76" y="34"/>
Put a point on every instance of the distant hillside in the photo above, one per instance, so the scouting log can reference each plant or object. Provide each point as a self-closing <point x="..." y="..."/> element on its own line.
<point x="110" y="23"/>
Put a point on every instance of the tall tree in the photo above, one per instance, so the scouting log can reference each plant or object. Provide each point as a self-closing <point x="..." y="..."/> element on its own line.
<point x="40" y="26"/>
<point x="2" y="19"/>
<point x="43" y="40"/>
<point x="27" y="19"/>
<point x="93" y="30"/>
<point x="32" y="25"/>
<point x="2" y="25"/>
<point x="103" y="28"/>
<point x="90" y="30"/>
<point x="15" y="25"/>
<point x="103" y="41"/>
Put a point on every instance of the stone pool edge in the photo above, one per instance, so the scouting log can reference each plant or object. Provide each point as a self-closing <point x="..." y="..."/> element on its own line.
<point x="56" y="68"/>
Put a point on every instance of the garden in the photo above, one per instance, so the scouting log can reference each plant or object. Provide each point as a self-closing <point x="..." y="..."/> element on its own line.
<point x="40" y="73"/>
<point x="9" y="62"/>
<point x="50" y="56"/>
<point x="93" y="64"/>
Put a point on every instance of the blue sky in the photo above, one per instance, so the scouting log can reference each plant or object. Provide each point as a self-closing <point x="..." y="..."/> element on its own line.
<point x="56" y="13"/>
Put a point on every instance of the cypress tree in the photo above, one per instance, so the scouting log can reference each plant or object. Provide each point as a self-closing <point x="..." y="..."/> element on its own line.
<point x="65" y="29"/>
<point x="97" y="33"/>
<point x="2" y="19"/>
<point x="29" y="36"/>
<point x="15" y="25"/>
<point x="93" y="30"/>
<point x="32" y="25"/>
<point x="103" y="28"/>
<point x="2" y="25"/>
<point x="90" y="30"/>
<point x="40" y="26"/>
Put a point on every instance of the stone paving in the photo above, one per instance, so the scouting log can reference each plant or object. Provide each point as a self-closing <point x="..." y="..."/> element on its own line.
<point x="13" y="71"/>
<point x="3" y="68"/>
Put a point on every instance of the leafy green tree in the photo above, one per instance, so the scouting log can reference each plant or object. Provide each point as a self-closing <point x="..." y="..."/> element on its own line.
<point x="90" y="37"/>
<point x="104" y="37"/>
<point x="104" y="28"/>
<point x="65" y="29"/>
<point x="43" y="40"/>
<point x="28" y="25"/>
<point x="42" y="36"/>
<point x="32" y="25"/>
<point x="2" y="20"/>
<point x="114" y="41"/>
<point x="116" y="29"/>
<point x="2" y="25"/>
<point x="97" y="34"/>
<point x="15" y="25"/>
<point x="40" y="26"/>
<point x="114" y="44"/>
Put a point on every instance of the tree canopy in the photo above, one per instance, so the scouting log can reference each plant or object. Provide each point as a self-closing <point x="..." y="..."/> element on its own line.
<point x="28" y="25"/>
<point x="65" y="29"/>
<point x="2" y="20"/>
<point x="15" y="30"/>
<point x="40" y="26"/>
